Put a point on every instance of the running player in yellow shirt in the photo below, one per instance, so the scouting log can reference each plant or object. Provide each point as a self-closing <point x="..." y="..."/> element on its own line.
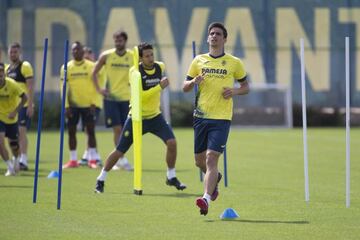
<point x="10" y="105"/>
<point x="214" y="73"/>
<point x="153" y="81"/>
<point x="117" y="63"/>
<point x="80" y="102"/>
<point x="22" y="72"/>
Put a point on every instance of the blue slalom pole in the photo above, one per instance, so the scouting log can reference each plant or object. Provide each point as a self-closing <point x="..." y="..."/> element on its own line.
<point x="196" y="91"/>
<point x="40" y="121"/>
<point x="62" y="124"/>
<point x="225" y="169"/>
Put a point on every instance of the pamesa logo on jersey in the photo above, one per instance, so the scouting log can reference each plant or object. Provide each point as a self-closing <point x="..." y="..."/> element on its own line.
<point x="214" y="71"/>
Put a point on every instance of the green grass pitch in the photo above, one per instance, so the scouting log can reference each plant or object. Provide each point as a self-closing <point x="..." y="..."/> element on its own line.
<point x="266" y="188"/>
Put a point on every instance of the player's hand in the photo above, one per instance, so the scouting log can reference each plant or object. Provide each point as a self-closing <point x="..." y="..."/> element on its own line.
<point x="12" y="115"/>
<point x="30" y="110"/>
<point x="199" y="78"/>
<point x="164" y="82"/>
<point x="227" y="92"/>
<point x="68" y="112"/>
<point x="104" y="92"/>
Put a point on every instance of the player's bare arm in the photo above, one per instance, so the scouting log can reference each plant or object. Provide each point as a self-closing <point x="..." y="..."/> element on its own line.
<point x="30" y="87"/>
<point x="99" y="64"/>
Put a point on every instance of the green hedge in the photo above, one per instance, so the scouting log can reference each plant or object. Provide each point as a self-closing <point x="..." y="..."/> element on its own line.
<point x="181" y="114"/>
<point x="50" y="117"/>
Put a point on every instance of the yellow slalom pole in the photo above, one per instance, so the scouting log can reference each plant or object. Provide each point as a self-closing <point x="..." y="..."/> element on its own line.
<point x="136" y="115"/>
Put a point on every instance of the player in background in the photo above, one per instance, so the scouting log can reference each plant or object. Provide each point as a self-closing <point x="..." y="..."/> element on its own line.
<point x="22" y="72"/>
<point x="12" y="99"/>
<point x="80" y="103"/>
<point x="117" y="62"/>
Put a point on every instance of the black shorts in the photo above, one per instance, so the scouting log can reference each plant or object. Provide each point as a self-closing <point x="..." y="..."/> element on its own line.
<point x="11" y="130"/>
<point x="210" y="134"/>
<point x="157" y="126"/>
<point x="86" y="116"/>
<point x="116" y="112"/>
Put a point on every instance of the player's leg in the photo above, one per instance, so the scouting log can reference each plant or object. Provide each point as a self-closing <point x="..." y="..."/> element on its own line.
<point x="123" y="111"/>
<point x="171" y="152"/>
<point x="88" y="117"/>
<point x="113" y="120"/>
<point x="24" y="125"/>
<point x="218" y="131"/>
<point x="116" y="134"/>
<point x="200" y="161"/>
<point x="12" y="134"/>
<point x="211" y="175"/>
<point x="85" y="157"/>
<point x="3" y="150"/>
<point x="97" y="154"/>
<point x="15" y="150"/>
<point x="5" y="156"/>
<point x="200" y="143"/>
<point x="124" y="144"/>
<point x="159" y="127"/>
<point x="73" y="120"/>
<point x="200" y="147"/>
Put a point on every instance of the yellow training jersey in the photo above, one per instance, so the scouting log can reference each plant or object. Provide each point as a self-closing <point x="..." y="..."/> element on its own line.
<point x="81" y="91"/>
<point x="219" y="72"/>
<point x="151" y="90"/>
<point x="9" y="100"/>
<point x="117" y="72"/>
<point x="20" y="73"/>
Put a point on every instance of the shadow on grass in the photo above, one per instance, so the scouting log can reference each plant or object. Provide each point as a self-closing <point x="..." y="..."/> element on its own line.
<point x="260" y="221"/>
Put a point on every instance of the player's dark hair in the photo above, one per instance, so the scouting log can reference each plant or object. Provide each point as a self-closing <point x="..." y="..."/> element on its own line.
<point x="15" y="45"/>
<point x="218" y="25"/>
<point x="78" y="43"/>
<point x="143" y="46"/>
<point x="2" y="65"/>
<point x="122" y="34"/>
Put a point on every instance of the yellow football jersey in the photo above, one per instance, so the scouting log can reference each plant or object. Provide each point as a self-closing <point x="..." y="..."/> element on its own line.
<point x="81" y="91"/>
<point x="9" y="99"/>
<point x="151" y="90"/>
<point x="20" y="73"/>
<point x="219" y="72"/>
<point x="117" y="72"/>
